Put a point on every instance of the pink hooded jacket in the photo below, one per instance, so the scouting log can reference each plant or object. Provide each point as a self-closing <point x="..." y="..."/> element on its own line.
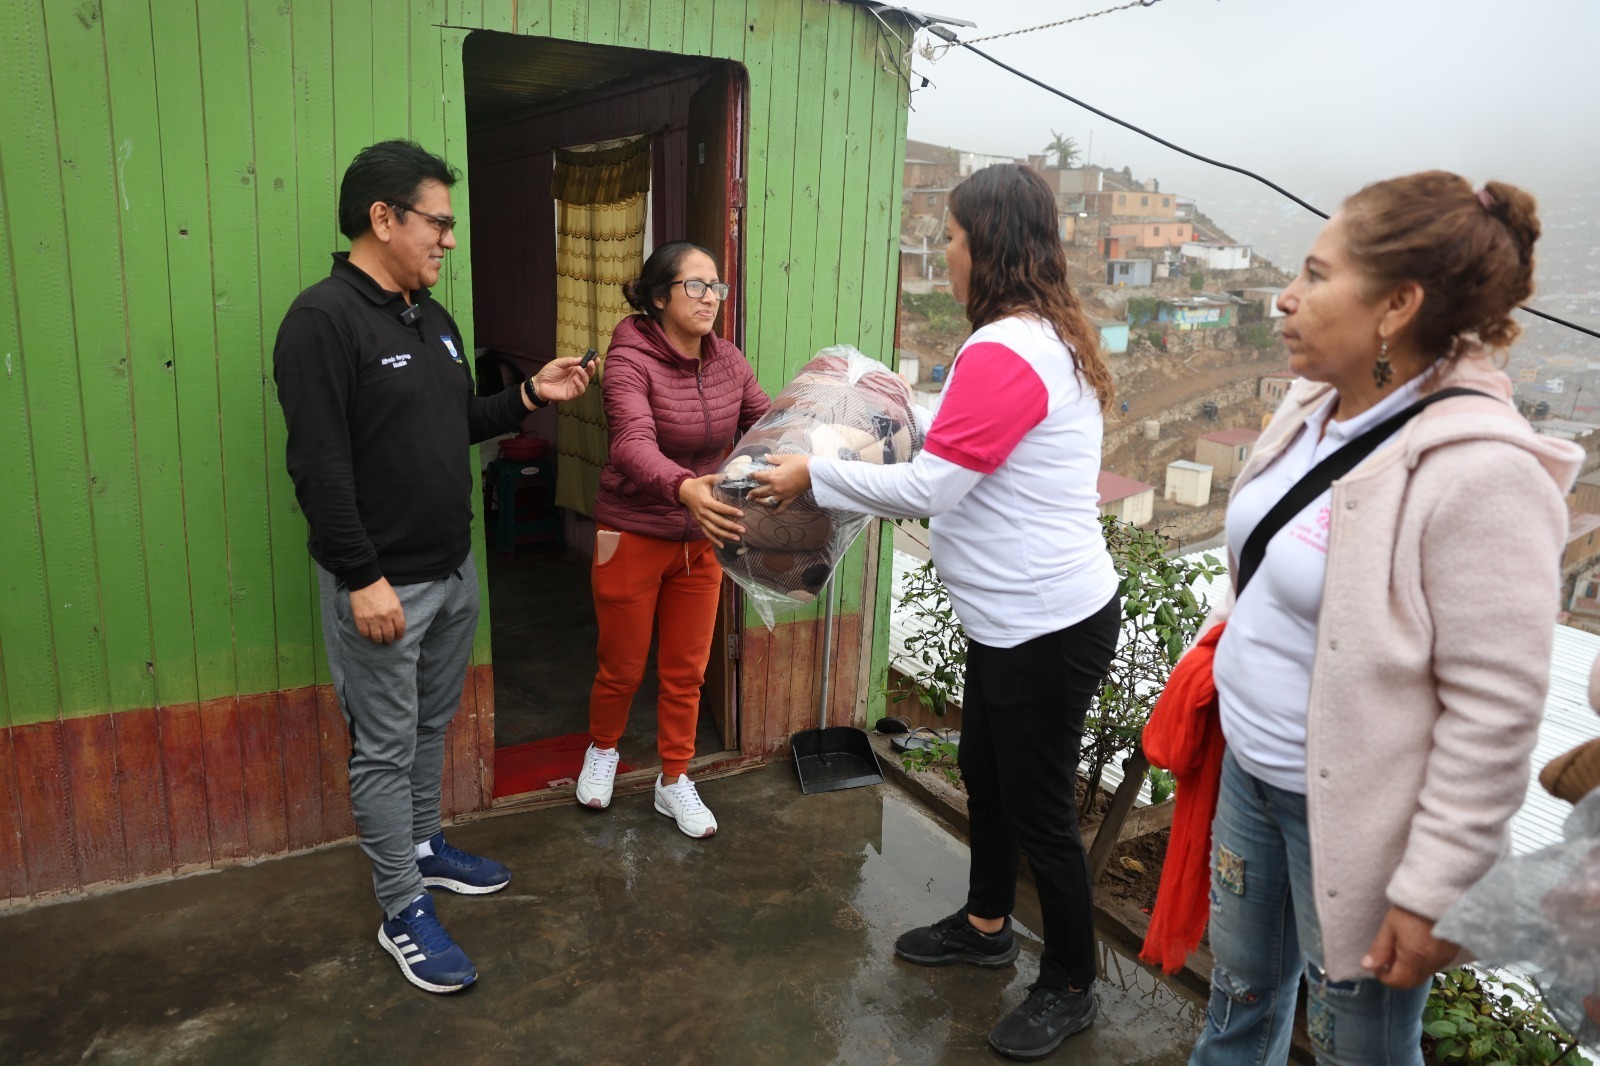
<point x="1433" y="652"/>
<point x="671" y="419"/>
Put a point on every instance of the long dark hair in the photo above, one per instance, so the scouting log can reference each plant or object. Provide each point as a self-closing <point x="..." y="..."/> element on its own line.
<point x="1019" y="265"/>
<point x="657" y="275"/>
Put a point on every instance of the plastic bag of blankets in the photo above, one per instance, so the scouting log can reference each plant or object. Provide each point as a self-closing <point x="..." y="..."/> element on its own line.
<point x="842" y="405"/>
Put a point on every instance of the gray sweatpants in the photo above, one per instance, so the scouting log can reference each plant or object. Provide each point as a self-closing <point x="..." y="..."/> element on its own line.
<point x="398" y="700"/>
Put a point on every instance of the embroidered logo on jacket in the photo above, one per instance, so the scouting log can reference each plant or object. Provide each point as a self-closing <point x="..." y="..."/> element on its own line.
<point x="450" y="346"/>
<point x="396" y="361"/>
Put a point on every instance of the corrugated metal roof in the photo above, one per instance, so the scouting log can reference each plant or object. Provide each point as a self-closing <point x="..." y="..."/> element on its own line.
<point x="507" y="74"/>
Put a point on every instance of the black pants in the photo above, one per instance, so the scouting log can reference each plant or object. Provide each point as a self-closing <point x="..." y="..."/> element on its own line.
<point x="1021" y="728"/>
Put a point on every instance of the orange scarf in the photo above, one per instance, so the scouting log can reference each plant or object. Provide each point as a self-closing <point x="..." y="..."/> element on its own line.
<point x="1184" y="735"/>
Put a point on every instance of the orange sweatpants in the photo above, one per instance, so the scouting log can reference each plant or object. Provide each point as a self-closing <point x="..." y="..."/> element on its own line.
<point x="646" y="582"/>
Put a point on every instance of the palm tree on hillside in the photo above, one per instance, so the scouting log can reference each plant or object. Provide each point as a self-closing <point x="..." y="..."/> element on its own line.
<point x="1065" y="149"/>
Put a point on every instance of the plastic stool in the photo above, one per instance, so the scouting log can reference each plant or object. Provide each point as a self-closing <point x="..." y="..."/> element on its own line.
<point x="524" y="498"/>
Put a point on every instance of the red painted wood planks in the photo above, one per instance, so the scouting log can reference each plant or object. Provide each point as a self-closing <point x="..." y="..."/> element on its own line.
<point x="143" y="793"/>
<point x="482" y="681"/>
<point x="261" y="746"/>
<point x="302" y="766"/>
<point x="13" y="873"/>
<point x="461" y="744"/>
<point x="755" y="657"/>
<point x="183" y="759"/>
<point x="225" y="806"/>
<point x="90" y="747"/>
<point x="334" y="745"/>
<point x="43" y="810"/>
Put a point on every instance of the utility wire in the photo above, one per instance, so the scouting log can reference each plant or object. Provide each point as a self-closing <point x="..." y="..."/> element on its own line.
<point x="949" y="35"/>
<point x="1063" y="22"/>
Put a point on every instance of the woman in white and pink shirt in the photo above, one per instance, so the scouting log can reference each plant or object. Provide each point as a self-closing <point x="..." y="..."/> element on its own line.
<point x="1008" y="477"/>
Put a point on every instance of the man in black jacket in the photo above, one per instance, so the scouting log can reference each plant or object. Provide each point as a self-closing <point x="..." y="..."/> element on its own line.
<point x="377" y="393"/>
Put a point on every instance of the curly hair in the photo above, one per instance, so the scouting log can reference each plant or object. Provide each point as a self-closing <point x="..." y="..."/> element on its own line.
<point x="1472" y="253"/>
<point x="1019" y="265"/>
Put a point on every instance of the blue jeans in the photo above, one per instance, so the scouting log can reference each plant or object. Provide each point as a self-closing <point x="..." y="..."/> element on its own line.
<point x="1265" y="936"/>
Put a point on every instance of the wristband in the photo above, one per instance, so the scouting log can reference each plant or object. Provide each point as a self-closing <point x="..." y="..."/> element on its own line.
<point x="532" y="394"/>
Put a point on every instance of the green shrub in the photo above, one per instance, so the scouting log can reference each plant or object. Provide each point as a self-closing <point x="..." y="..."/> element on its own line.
<point x="1197" y="280"/>
<point x="1479" y="1017"/>
<point x="1260" y="336"/>
<point x="944" y="315"/>
<point x="1162" y="785"/>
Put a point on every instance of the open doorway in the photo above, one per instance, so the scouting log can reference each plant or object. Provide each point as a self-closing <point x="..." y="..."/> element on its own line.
<point x="531" y="102"/>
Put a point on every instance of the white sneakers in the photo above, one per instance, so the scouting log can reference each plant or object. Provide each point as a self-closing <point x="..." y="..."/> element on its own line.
<point x="598" y="776"/>
<point x="681" y="802"/>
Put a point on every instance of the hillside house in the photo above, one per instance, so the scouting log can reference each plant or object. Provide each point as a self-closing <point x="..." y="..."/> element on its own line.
<point x="1142" y="205"/>
<point x="930" y="201"/>
<point x="1203" y="310"/>
<point x="1130" y="273"/>
<point x="1154" y="232"/>
<point x="1263" y="296"/>
<point x="1214" y="255"/>
<point x="1583" y="540"/>
<point x="166" y="705"/>
<point x="1275" y="386"/>
<point x="1113" y="335"/>
<point x="1226" y="451"/>
<point x="1586" y="493"/>
<point x="1188" y="483"/>
<point x="1128" y="500"/>
<point x="1119" y="247"/>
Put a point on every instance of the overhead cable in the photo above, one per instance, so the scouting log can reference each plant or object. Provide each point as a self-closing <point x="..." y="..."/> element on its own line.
<point x="949" y="35"/>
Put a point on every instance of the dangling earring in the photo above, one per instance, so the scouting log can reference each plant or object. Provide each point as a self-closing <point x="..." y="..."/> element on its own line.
<point x="1382" y="372"/>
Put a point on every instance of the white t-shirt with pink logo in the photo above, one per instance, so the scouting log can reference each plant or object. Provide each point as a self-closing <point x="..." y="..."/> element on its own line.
<point x="1009" y="476"/>
<point x="1264" y="660"/>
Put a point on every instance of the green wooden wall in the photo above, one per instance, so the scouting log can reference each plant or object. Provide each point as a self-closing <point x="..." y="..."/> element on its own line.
<point x="168" y="180"/>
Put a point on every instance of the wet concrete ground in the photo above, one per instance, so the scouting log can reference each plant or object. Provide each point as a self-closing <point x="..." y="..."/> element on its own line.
<point x="619" y="941"/>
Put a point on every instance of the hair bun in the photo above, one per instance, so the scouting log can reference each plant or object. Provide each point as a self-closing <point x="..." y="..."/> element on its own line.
<point x="1519" y="211"/>
<point x="635" y="298"/>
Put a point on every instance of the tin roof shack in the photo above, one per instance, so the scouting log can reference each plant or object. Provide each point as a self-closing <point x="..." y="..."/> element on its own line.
<point x="1131" y="273"/>
<point x="1130" y="501"/>
<point x="1203" y="310"/>
<point x="1188" y="483"/>
<point x="170" y="179"/>
<point x="1113" y="335"/>
<point x="1214" y="255"/>
<point x="1263" y="296"/>
<point x="1226" y="451"/>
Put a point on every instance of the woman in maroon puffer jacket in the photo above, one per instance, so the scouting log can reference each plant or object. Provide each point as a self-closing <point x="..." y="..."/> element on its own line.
<point x="677" y="397"/>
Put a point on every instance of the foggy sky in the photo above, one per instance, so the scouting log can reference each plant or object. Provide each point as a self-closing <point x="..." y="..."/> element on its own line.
<point x="1321" y="96"/>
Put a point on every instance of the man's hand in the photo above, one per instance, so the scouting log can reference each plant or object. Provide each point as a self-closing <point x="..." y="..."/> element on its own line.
<point x="718" y="520"/>
<point x="560" y="379"/>
<point x="1405" y="952"/>
<point x="377" y="612"/>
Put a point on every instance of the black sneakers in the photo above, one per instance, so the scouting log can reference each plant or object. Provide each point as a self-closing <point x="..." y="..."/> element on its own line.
<point x="953" y="939"/>
<point x="1046" y="1018"/>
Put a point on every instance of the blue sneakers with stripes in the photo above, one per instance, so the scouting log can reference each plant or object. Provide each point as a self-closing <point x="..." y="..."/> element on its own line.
<point x="427" y="956"/>
<point x="454" y="870"/>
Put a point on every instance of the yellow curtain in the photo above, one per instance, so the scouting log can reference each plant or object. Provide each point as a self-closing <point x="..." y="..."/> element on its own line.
<point x="601" y="209"/>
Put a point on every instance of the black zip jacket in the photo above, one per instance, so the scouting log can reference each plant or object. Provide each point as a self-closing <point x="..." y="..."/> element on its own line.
<point x="380" y="416"/>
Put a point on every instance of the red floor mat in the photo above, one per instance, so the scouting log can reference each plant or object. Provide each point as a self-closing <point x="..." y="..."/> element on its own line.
<point x="539" y="763"/>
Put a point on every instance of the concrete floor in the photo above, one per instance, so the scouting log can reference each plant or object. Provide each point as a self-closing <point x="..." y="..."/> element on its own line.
<point x="619" y="941"/>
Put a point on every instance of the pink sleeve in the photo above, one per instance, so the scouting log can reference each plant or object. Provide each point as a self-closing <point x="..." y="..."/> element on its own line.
<point x="994" y="398"/>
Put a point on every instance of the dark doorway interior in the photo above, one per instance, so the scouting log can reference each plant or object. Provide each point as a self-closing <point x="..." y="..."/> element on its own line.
<point x="526" y="97"/>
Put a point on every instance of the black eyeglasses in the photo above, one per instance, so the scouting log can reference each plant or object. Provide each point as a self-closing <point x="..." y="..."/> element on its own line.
<point x="694" y="288"/>
<point x="445" y="222"/>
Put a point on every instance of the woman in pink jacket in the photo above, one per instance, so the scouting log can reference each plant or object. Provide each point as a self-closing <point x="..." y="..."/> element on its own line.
<point x="676" y="398"/>
<point x="1381" y="679"/>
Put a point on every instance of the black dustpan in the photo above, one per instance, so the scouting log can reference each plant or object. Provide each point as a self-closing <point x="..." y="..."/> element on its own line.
<point x="830" y="758"/>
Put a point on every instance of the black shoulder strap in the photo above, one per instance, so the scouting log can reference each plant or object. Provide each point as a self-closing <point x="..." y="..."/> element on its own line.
<point x="1324" y="474"/>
